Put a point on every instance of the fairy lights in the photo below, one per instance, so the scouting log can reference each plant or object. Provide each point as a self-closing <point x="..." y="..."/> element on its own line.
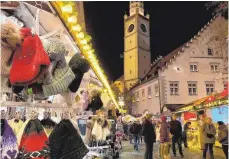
<point x="67" y="12"/>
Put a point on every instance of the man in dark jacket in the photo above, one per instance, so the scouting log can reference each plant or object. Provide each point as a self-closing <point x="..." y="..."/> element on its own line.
<point x="176" y="131"/>
<point x="135" y="130"/>
<point x="149" y="137"/>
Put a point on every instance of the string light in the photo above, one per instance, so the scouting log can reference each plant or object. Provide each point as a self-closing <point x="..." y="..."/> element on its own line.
<point x="80" y="35"/>
<point x="77" y="28"/>
<point x="85" y="46"/>
<point x="67" y="8"/>
<point x="72" y="19"/>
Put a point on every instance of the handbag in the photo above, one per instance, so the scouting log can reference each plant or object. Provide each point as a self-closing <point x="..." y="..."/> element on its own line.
<point x="30" y="61"/>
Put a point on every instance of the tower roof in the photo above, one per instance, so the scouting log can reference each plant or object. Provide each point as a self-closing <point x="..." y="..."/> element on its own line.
<point x="136" y="7"/>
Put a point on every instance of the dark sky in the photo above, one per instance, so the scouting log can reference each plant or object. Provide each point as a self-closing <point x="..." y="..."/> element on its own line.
<point x="171" y="25"/>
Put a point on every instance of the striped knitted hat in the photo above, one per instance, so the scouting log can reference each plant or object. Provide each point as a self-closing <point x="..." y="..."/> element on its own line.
<point x="34" y="141"/>
<point x="60" y="81"/>
<point x="9" y="146"/>
<point x="59" y="75"/>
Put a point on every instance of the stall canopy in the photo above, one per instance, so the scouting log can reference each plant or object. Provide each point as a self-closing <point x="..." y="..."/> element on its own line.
<point x="213" y="100"/>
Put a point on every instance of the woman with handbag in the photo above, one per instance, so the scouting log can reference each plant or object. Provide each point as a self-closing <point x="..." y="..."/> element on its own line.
<point x="209" y="133"/>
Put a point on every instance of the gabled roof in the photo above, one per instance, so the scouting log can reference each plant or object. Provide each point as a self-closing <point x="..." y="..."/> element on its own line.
<point x="168" y="58"/>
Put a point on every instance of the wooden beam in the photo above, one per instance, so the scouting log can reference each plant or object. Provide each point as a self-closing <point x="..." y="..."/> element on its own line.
<point x="9" y="5"/>
<point x="44" y="5"/>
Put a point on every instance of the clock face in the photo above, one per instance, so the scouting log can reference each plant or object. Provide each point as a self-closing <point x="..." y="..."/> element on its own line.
<point x="131" y="28"/>
<point x="143" y="27"/>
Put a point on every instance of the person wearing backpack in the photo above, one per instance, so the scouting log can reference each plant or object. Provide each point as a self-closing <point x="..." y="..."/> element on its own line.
<point x="135" y="130"/>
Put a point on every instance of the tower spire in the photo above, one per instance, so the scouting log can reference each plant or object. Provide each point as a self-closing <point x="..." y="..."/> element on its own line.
<point x="136" y="7"/>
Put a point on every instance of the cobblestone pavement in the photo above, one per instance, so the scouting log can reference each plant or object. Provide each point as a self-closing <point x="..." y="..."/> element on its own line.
<point x="128" y="152"/>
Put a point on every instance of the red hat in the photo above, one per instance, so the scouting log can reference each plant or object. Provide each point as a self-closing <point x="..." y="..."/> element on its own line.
<point x="34" y="141"/>
<point x="163" y="118"/>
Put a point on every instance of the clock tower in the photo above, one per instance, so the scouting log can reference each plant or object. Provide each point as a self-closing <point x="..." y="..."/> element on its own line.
<point x="137" y="57"/>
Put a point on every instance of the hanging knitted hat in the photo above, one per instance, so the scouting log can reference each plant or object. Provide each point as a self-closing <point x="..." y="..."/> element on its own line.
<point x="34" y="141"/>
<point x="30" y="61"/>
<point x="10" y="39"/>
<point x="95" y="101"/>
<point x="66" y="143"/>
<point x="59" y="74"/>
<point x="79" y="66"/>
<point x="9" y="144"/>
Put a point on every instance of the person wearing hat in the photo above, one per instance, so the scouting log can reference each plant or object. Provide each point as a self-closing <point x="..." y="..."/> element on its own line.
<point x="149" y="136"/>
<point x="223" y="137"/>
<point x="176" y="131"/>
<point x="209" y="133"/>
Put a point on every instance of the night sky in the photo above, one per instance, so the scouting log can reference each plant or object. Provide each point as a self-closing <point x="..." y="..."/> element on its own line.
<point x="171" y="24"/>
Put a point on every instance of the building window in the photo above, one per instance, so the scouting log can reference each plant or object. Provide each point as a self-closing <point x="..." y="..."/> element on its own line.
<point x="174" y="88"/>
<point x="192" y="88"/>
<point x="193" y="67"/>
<point x="143" y="94"/>
<point x="130" y="57"/>
<point x="210" y="51"/>
<point x="137" y="95"/>
<point x="149" y="92"/>
<point x="214" y="67"/>
<point x="156" y="90"/>
<point x="210" y="87"/>
<point x="130" y="71"/>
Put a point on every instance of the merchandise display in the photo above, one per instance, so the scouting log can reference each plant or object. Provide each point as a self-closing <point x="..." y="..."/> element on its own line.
<point x="48" y="112"/>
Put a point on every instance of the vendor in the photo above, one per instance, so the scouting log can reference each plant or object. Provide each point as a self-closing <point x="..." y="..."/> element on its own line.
<point x="186" y="127"/>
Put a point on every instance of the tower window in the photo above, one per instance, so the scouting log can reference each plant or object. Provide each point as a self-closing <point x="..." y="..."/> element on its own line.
<point x="210" y="51"/>
<point x="144" y="57"/>
<point x="130" y="71"/>
<point x="130" y="57"/>
<point x="130" y="41"/>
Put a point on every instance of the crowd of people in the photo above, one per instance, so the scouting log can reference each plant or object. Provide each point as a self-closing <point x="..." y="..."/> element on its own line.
<point x="168" y="134"/>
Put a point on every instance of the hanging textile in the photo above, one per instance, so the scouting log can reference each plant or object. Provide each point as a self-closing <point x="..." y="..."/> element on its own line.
<point x="89" y="128"/>
<point x="34" y="141"/>
<point x="66" y="143"/>
<point x="48" y="124"/>
<point x="16" y="125"/>
<point x="9" y="146"/>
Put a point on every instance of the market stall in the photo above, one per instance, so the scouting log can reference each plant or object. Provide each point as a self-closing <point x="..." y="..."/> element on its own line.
<point x="53" y="91"/>
<point x="214" y="106"/>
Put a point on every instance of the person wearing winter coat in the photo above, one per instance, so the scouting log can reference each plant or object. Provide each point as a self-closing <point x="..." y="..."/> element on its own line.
<point x="135" y="130"/>
<point x="186" y="127"/>
<point x="176" y="131"/>
<point x="223" y="137"/>
<point x="149" y="137"/>
<point x="164" y="139"/>
<point x="209" y="133"/>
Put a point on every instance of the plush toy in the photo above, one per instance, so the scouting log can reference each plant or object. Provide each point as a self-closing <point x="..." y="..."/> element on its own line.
<point x="79" y="66"/>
